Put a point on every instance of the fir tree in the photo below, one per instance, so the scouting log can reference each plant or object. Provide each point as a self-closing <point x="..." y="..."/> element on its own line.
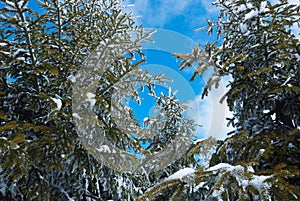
<point x="46" y="54"/>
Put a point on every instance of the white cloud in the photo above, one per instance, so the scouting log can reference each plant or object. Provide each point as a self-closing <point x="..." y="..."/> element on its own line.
<point x="209" y="8"/>
<point x="297" y="2"/>
<point x="157" y="13"/>
<point x="211" y="114"/>
<point x="200" y="112"/>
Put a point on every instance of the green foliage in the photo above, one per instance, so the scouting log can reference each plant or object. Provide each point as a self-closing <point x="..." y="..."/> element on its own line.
<point x="253" y="169"/>
<point x="273" y="153"/>
<point x="266" y="150"/>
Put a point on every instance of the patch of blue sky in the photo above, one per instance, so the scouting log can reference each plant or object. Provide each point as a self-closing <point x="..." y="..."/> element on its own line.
<point x="11" y="79"/>
<point x="146" y="108"/>
<point x="180" y="85"/>
<point x="176" y="22"/>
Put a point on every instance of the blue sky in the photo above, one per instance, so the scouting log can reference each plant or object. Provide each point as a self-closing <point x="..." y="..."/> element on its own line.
<point x="176" y="15"/>
<point x="175" y="22"/>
